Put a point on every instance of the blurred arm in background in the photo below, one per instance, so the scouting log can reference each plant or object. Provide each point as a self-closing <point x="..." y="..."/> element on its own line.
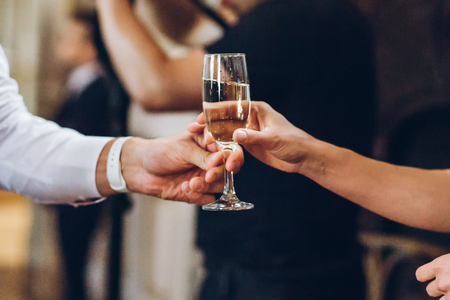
<point x="156" y="81"/>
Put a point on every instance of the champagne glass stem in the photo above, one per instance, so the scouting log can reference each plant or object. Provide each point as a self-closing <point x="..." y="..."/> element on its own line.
<point x="228" y="200"/>
<point x="228" y="188"/>
<point x="229" y="193"/>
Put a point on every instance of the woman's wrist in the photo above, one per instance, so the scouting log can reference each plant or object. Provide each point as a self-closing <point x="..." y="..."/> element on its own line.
<point x="324" y="161"/>
<point x="314" y="157"/>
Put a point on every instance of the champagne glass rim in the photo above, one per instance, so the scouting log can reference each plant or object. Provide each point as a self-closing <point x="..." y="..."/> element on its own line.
<point x="225" y="81"/>
<point x="224" y="54"/>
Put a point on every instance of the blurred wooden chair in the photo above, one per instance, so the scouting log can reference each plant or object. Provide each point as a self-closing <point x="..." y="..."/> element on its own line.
<point x="420" y="140"/>
<point x="384" y="252"/>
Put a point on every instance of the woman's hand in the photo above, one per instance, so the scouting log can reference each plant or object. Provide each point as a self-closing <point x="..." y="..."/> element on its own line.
<point x="269" y="137"/>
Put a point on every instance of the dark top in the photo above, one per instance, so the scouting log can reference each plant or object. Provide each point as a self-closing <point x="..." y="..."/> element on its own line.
<point x="88" y="111"/>
<point x="313" y="62"/>
<point x="99" y="108"/>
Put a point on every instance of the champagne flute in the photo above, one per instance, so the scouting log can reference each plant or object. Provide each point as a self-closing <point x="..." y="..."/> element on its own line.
<point x="226" y="107"/>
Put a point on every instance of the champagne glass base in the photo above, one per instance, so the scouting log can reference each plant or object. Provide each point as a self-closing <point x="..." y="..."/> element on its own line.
<point x="226" y="204"/>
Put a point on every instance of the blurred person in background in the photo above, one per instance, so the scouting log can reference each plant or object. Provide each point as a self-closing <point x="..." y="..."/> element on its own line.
<point x="176" y="26"/>
<point x="314" y="61"/>
<point x="85" y="106"/>
<point x="94" y="104"/>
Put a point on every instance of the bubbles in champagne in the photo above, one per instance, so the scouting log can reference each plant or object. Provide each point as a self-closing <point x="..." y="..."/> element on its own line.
<point x="226" y="107"/>
<point x="214" y="91"/>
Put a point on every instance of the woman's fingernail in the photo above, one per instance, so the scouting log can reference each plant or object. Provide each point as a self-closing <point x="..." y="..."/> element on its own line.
<point x="214" y="177"/>
<point x="241" y="135"/>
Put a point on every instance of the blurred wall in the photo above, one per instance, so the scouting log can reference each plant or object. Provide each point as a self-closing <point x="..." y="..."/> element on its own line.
<point x="19" y="35"/>
<point x="51" y="77"/>
<point x="27" y="28"/>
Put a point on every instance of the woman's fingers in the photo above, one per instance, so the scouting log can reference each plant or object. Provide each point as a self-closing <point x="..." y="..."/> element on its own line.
<point x="201" y="119"/>
<point x="235" y="160"/>
<point x="433" y="290"/>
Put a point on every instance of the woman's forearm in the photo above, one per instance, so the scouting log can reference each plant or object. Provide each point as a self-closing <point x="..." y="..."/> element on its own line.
<point x="412" y="196"/>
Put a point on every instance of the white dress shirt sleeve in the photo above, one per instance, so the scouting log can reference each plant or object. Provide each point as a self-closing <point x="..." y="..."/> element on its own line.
<point x="39" y="159"/>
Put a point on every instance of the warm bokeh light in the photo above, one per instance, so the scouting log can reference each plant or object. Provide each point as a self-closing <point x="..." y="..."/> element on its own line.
<point x="15" y="225"/>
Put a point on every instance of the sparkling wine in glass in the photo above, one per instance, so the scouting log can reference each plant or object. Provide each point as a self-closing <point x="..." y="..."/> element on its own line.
<point x="226" y="106"/>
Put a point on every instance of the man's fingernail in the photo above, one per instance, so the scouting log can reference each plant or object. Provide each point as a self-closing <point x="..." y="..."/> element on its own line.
<point x="185" y="186"/>
<point x="233" y="166"/>
<point x="199" y="185"/>
<point x="241" y="135"/>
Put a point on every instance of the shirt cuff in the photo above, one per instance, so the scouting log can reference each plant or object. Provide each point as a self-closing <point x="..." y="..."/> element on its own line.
<point x="78" y="166"/>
